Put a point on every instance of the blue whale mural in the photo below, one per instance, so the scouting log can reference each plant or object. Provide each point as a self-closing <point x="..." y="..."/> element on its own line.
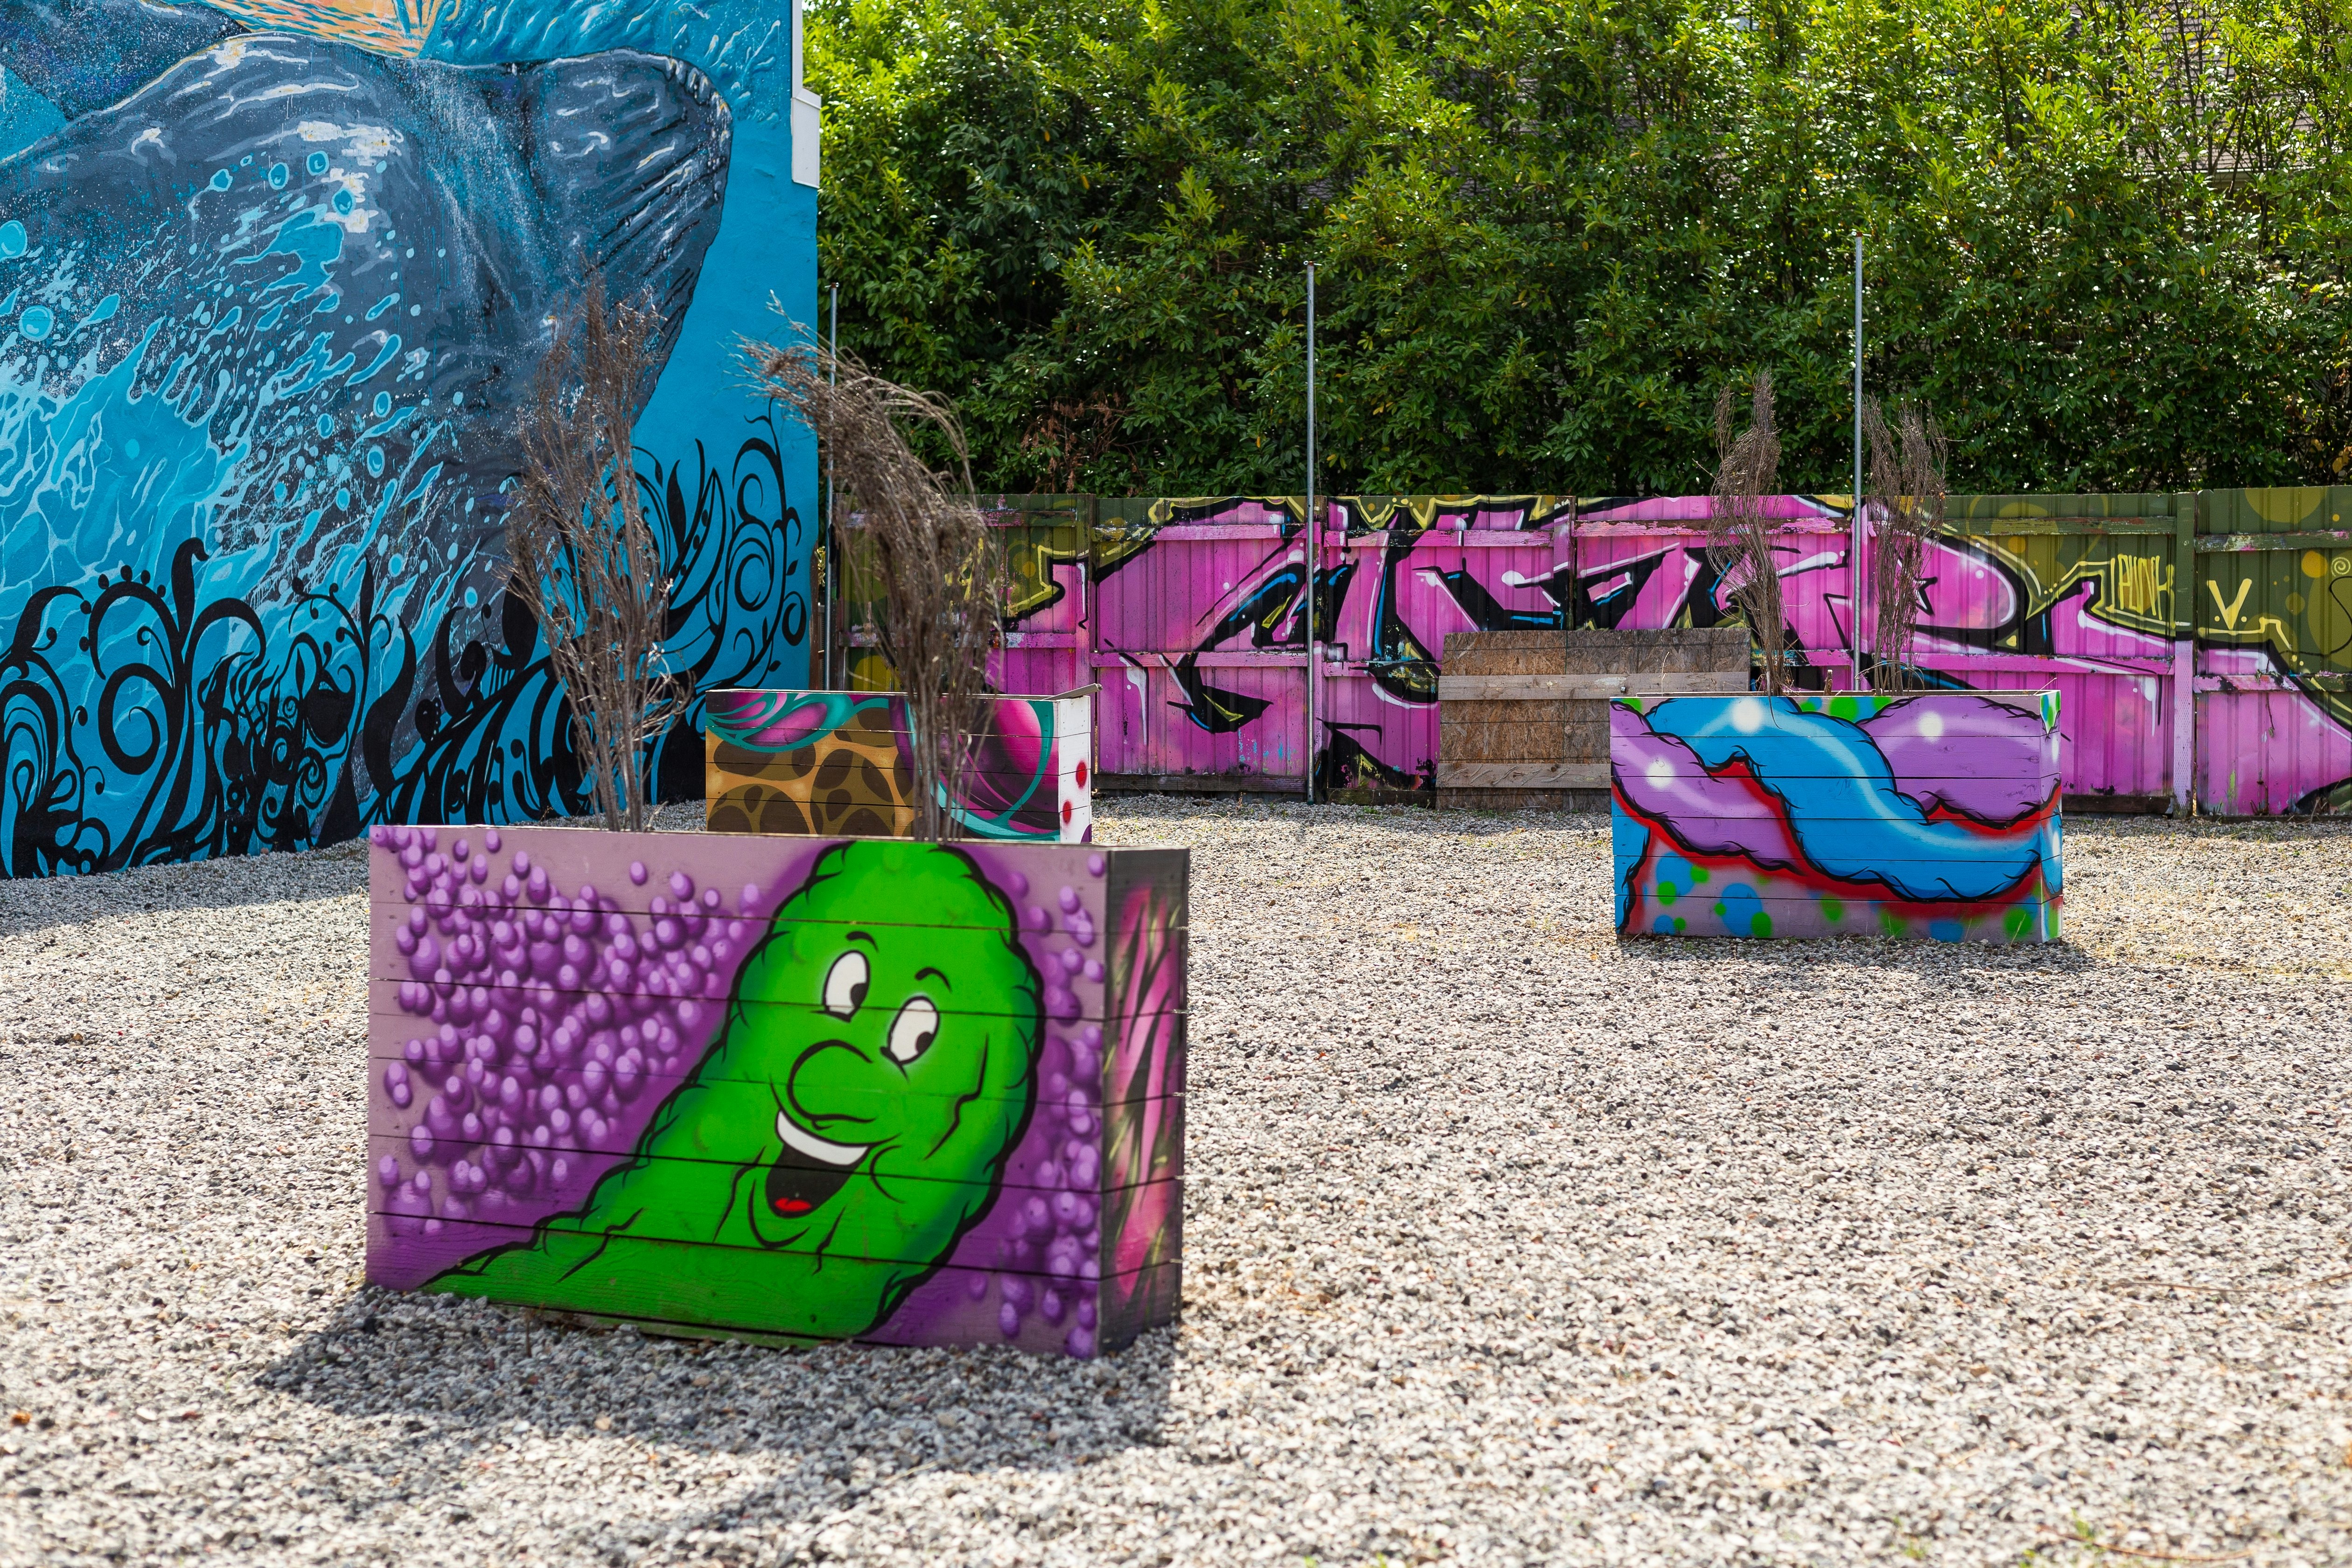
<point x="268" y="302"/>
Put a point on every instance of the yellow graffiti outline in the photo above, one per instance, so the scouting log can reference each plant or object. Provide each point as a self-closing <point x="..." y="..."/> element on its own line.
<point x="2263" y="630"/>
<point x="2231" y="612"/>
<point x="2038" y="599"/>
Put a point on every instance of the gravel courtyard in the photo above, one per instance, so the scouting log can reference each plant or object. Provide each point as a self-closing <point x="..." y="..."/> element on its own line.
<point x="1505" y="1243"/>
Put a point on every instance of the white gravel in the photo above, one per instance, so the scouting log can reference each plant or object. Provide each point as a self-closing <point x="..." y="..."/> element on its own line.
<point x="1506" y="1243"/>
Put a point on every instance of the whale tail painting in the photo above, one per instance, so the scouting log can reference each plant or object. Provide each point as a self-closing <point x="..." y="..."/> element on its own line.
<point x="269" y="302"/>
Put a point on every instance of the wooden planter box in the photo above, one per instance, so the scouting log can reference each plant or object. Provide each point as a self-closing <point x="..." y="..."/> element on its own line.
<point x="1523" y="717"/>
<point x="1933" y="816"/>
<point x="827" y="763"/>
<point x="870" y="1089"/>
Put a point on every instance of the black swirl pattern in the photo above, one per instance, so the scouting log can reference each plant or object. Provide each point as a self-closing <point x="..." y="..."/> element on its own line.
<point x="224" y="726"/>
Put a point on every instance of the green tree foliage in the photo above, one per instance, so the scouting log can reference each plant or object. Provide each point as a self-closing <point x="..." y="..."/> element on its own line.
<point x="2108" y="242"/>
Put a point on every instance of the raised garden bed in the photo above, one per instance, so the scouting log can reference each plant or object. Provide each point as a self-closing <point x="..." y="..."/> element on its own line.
<point x="871" y="1089"/>
<point x="1934" y="816"/>
<point x="841" y="762"/>
<point x="1524" y="716"/>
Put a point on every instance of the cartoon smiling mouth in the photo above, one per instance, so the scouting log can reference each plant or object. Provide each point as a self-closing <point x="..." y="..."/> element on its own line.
<point x="810" y="1170"/>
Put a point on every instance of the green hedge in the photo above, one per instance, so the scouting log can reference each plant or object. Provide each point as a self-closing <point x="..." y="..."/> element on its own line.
<point x="2111" y="253"/>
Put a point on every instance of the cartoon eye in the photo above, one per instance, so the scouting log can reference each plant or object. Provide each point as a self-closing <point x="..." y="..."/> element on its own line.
<point x="912" y="1030"/>
<point x="845" y="984"/>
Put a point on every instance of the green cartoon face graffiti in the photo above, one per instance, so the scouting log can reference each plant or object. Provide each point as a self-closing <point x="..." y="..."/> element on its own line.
<point x="874" y="1072"/>
<point x="895" y="1057"/>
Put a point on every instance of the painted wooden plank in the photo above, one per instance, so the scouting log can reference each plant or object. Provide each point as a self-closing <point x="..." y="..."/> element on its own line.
<point x="1861" y="709"/>
<point x="1199" y="784"/>
<point x="1218" y="533"/>
<point x="689" y="1204"/>
<point x="1522" y="775"/>
<point x="836" y="1083"/>
<point x="509" y="982"/>
<point x="835" y="1102"/>
<point x="740" y="1126"/>
<point x="2031" y="528"/>
<point x="1821" y="845"/>
<point x="1600" y="531"/>
<point x="2261" y="681"/>
<point x="2032" y="920"/>
<point x="1757" y="719"/>
<point x="393" y="1025"/>
<point x="544" y="979"/>
<point x="581" y="1140"/>
<point x="1906" y="830"/>
<point x="1570" y="688"/>
<point x="1781" y="758"/>
<point x="660" y="874"/>
<point x="2235" y="544"/>
<point x="653" y="1284"/>
<point x="1923" y="872"/>
<point x="1690" y="798"/>
<point x="826" y="763"/>
<point x="723" y="772"/>
<point x="1786" y="763"/>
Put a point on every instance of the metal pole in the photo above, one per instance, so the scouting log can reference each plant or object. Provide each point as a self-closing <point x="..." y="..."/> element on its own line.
<point x="2184" y="653"/>
<point x="1314" y="537"/>
<point x="832" y="564"/>
<point x="1858" y="531"/>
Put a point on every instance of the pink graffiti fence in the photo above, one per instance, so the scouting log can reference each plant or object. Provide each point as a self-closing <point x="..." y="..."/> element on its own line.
<point x="1191" y="614"/>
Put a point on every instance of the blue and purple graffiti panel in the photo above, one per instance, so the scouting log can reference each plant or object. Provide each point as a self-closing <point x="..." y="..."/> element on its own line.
<point x="1933" y="816"/>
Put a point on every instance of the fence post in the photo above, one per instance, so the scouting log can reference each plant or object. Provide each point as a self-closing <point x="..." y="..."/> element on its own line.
<point x="1857" y="524"/>
<point x="1314" y="543"/>
<point x="1089" y="514"/>
<point x="2184" y="651"/>
<point x="829" y="547"/>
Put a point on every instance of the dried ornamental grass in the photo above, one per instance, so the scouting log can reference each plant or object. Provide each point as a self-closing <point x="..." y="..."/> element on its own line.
<point x="1740" y="534"/>
<point x="942" y="569"/>
<point x="1908" y="465"/>
<point x="581" y="554"/>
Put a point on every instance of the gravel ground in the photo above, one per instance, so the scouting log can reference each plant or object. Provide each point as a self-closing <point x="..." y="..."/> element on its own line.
<point x="1506" y="1243"/>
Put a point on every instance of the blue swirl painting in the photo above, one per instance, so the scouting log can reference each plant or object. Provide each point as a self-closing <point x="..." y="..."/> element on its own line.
<point x="1936" y="816"/>
<point x="273" y="281"/>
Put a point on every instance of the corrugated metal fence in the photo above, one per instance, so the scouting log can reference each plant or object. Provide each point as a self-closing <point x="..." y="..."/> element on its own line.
<point x="1190" y="613"/>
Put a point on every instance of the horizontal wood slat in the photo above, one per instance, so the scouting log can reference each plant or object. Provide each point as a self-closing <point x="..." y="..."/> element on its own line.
<point x="1526" y="713"/>
<point x="1523" y="775"/>
<point x="672" y="1288"/>
<point x="2035" y="528"/>
<point x="2233" y="544"/>
<point x="1556" y="688"/>
<point x="872" y="1234"/>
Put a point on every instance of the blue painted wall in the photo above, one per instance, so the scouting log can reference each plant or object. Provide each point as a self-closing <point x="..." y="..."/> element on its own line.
<point x="271" y="283"/>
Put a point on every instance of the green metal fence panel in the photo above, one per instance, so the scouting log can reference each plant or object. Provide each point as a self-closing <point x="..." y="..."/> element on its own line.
<point x="2274" y="617"/>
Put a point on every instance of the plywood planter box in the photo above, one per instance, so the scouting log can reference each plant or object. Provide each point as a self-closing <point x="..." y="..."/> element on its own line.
<point x="841" y="762"/>
<point x="864" y="1089"/>
<point x="1524" y="716"/>
<point x="1933" y="816"/>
